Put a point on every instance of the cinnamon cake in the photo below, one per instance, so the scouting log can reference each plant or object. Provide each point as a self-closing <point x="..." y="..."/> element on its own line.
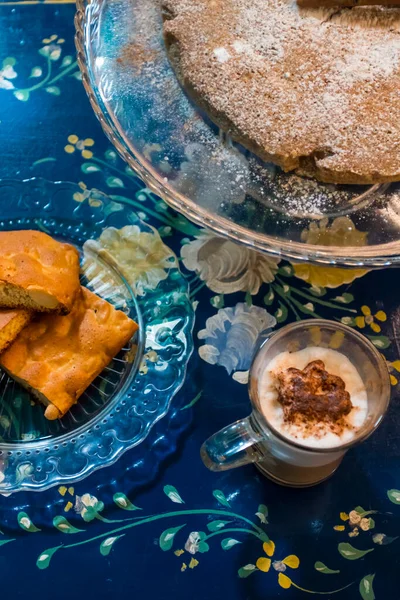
<point x="316" y="91"/>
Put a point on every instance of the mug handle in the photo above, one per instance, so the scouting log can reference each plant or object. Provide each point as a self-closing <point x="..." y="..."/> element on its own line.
<point x="231" y="447"/>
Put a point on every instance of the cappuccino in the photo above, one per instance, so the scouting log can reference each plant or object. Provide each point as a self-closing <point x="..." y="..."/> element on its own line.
<point x="314" y="397"/>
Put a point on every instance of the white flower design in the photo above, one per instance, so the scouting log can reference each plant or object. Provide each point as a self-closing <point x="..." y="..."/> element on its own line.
<point x="195" y="543"/>
<point x="141" y="255"/>
<point x="88" y="507"/>
<point x="227" y="267"/>
<point x="7" y="73"/>
<point x="230" y="336"/>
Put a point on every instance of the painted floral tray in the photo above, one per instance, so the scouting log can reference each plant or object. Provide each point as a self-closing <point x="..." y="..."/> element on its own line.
<point x="172" y="145"/>
<point x="124" y="261"/>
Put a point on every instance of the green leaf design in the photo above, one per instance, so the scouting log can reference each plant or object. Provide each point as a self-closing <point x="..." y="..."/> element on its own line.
<point x="22" y="95"/>
<point x="217" y="301"/>
<point x="246" y="571"/>
<point x="363" y="513"/>
<point x="45" y="557"/>
<point x="228" y="543"/>
<point x="111" y="155"/>
<point x="282" y="313"/>
<point x="77" y="75"/>
<point x="317" y="291"/>
<point x="262" y="513"/>
<point x="3" y="542"/>
<point x="123" y="501"/>
<point x="382" y="539"/>
<point x="269" y="298"/>
<point x="167" y="537"/>
<point x="348" y="321"/>
<point x="287" y="270"/>
<point x="345" y="298"/>
<point x="114" y="182"/>
<point x="36" y="72"/>
<point x="348" y="551"/>
<point x="220" y="496"/>
<point x="394" y="496"/>
<point x="161" y="206"/>
<point x="66" y="61"/>
<point x="63" y="525"/>
<point x="10" y="61"/>
<point x="106" y="546"/>
<point x="319" y="566"/>
<point x="203" y="547"/>
<point x="173" y="494"/>
<point x="88" y="167"/>
<point x="25" y="523"/>
<point x="45" y="51"/>
<point x="165" y="231"/>
<point x="307" y="309"/>
<point x="53" y="89"/>
<point x="366" y="590"/>
<point x="215" y="525"/>
<point x="360" y="510"/>
<point x="380" y="341"/>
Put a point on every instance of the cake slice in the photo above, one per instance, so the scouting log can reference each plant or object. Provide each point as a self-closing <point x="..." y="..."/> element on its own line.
<point x="37" y="272"/>
<point x="11" y="323"/>
<point x="57" y="357"/>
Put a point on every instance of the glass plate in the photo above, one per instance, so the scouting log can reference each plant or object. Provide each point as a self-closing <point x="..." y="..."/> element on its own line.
<point x="184" y="158"/>
<point x="124" y="261"/>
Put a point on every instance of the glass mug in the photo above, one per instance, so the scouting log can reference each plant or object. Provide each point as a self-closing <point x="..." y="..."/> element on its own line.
<point x="254" y="440"/>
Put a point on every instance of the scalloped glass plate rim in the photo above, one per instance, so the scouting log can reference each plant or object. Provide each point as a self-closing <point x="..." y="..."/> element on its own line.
<point x="35" y="445"/>
<point x="372" y="256"/>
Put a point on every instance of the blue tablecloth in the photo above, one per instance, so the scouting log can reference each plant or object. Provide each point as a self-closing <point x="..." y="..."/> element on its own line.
<point x="191" y="532"/>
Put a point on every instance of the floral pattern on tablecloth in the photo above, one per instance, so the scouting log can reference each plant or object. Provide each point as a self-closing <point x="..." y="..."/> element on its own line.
<point x="237" y="294"/>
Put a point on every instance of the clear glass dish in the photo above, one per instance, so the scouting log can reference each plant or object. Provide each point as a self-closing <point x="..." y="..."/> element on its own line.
<point x="119" y="408"/>
<point x="188" y="161"/>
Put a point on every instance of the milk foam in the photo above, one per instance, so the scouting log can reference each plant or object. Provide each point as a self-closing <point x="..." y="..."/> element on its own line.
<point x="336" y="364"/>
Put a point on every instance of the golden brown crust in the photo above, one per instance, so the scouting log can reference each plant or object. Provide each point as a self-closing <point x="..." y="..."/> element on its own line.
<point x="313" y="91"/>
<point x="37" y="272"/>
<point x="59" y="356"/>
<point x="11" y="323"/>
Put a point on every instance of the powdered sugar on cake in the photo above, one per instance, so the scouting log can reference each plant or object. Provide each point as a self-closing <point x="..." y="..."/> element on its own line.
<point x="312" y="90"/>
<point x="323" y="434"/>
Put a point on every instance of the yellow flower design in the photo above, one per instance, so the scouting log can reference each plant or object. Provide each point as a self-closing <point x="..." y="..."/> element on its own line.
<point x="53" y="39"/>
<point x="74" y="143"/>
<point x="62" y="490"/>
<point x="264" y="564"/>
<point x="141" y="255"/>
<point x="82" y="196"/>
<point x="356" y="520"/>
<point x="326" y="277"/>
<point x="341" y="232"/>
<point x="367" y="318"/>
<point x="393" y="366"/>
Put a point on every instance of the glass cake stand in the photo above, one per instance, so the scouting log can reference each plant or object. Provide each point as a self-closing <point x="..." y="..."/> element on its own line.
<point x="200" y="172"/>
